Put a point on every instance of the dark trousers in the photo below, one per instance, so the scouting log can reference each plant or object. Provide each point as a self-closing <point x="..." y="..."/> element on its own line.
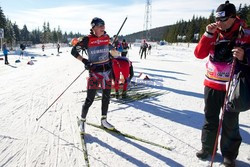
<point x="90" y="98"/>
<point x="93" y="86"/>
<point x="6" y="59"/>
<point x="230" y="135"/>
<point x="143" y="51"/>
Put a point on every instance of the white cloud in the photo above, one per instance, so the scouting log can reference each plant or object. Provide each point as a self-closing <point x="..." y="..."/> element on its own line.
<point x="78" y="18"/>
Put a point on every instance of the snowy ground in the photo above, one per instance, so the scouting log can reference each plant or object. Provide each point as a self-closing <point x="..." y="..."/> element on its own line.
<point x="173" y="119"/>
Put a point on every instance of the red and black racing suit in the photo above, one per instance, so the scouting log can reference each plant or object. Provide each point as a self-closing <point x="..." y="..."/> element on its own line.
<point x="100" y="72"/>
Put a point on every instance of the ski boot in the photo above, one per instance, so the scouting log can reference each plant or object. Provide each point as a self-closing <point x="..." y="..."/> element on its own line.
<point x="106" y="124"/>
<point x="81" y="124"/>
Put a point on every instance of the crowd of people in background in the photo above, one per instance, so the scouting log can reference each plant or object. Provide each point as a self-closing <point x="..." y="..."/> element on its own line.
<point x="22" y="47"/>
<point x="122" y="48"/>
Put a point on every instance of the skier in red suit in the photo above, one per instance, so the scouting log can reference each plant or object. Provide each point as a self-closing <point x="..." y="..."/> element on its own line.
<point x="122" y="65"/>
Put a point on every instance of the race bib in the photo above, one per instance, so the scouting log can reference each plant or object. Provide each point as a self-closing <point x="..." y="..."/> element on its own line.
<point x="218" y="71"/>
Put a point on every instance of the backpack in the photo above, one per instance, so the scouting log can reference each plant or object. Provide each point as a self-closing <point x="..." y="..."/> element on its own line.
<point x="239" y="93"/>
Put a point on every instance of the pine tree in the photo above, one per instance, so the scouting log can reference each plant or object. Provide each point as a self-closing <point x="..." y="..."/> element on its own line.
<point x="24" y="34"/>
<point x="9" y="33"/>
<point x="16" y="31"/>
<point x="211" y="18"/>
<point x="35" y="36"/>
<point x="65" y="38"/>
<point x="242" y="13"/>
<point x="44" y="37"/>
<point x="2" y="19"/>
<point x="59" y="34"/>
<point x="191" y="29"/>
<point x="248" y="16"/>
<point x="54" y="36"/>
<point x="48" y="33"/>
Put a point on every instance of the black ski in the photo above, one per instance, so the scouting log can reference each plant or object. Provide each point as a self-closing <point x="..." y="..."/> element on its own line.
<point x="130" y="136"/>
<point x="84" y="146"/>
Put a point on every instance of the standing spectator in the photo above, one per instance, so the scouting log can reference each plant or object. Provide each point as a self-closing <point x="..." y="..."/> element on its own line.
<point x="222" y="40"/>
<point x="124" y="48"/>
<point x="43" y="47"/>
<point x="5" y="52"/>
<point x="144" y="47"/>
<point x="117" y="44"/>
<point x="140" y="50"/>
<point x="149" y="49"/>
<point x="58" y="48"/>
<point x="22" y="47"/>
<point x="97" y="45"/>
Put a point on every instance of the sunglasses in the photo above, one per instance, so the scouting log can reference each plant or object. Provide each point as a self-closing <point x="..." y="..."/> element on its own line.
<point x="221" y="19"/>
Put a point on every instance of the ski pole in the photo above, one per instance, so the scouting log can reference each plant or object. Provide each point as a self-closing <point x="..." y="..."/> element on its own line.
<point x="119" y="30"/>
<point x="223" y="110"/>
<point x="60" y="95"/>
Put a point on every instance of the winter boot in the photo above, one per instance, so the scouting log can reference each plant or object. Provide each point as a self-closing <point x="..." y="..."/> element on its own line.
<point x="106" y="124"/>
<point x="202" y="154"/>
<point x="81" y="123"/>
<point x="229" y="162"/>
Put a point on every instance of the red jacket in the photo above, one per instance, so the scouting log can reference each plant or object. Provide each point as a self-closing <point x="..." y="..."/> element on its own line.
<point x="218" y="72"/>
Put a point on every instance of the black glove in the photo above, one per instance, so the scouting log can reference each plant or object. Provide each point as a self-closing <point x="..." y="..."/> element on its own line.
<point x="78" y="48"/>
<point x="87" y="64"/>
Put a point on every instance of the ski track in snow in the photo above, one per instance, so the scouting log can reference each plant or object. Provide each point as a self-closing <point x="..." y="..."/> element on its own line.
<point x="173" y="119"/>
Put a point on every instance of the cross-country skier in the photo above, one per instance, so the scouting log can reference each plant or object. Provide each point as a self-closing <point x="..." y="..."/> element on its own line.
<point x="98" y="47"/>
<point x="124" y="48"/>
<point x="58" y="48"/>
<point x="144" y="47"/>
<point x="43" y="47"/>
<point x="22" y="47"/>
<point x="122" y="65"/>
<point x="149" y="49"/>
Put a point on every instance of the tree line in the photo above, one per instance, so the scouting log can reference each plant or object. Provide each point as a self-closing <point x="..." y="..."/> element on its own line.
<point x="182" y="31"/>
<point x="192" y="30"/>
<point x="185" y="31"/>
<point x="13" y="35"/>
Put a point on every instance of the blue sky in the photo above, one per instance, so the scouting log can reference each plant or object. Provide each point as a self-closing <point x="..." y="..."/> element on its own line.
<point x="75" y="15"/>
